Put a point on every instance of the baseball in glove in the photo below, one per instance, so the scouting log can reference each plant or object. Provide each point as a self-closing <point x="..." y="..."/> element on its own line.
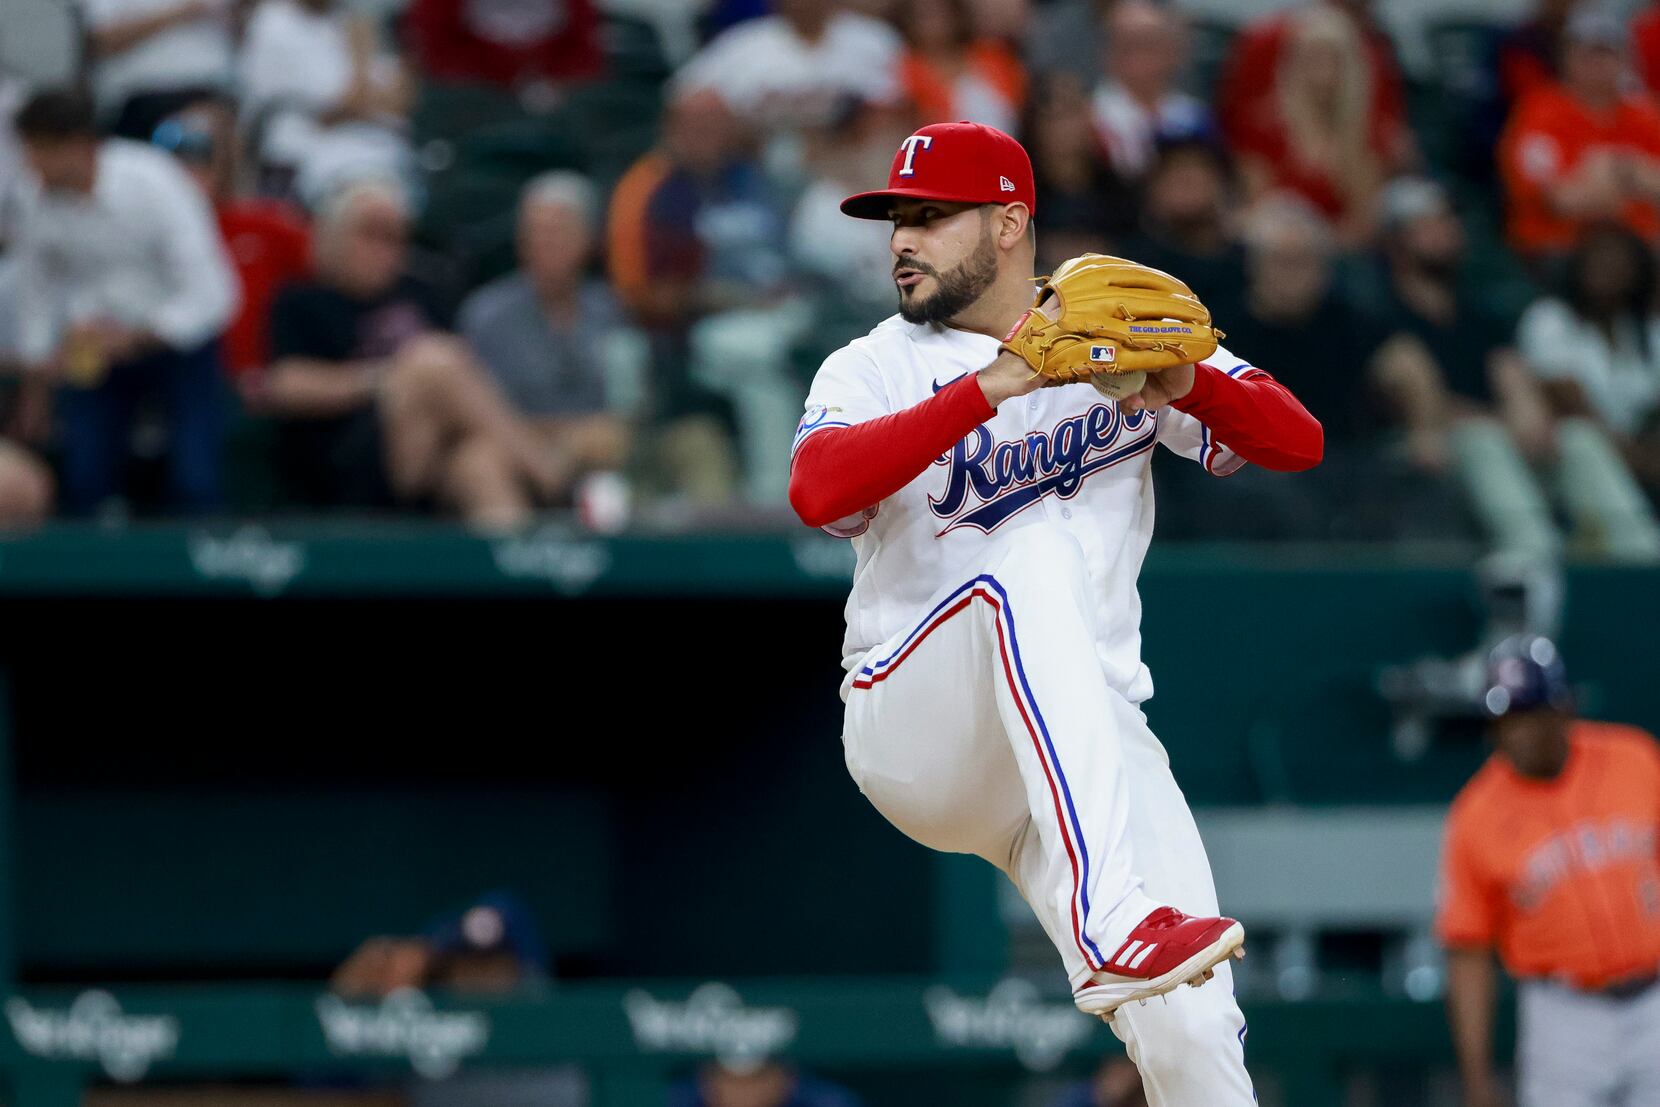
<point x="1111" y="321"/>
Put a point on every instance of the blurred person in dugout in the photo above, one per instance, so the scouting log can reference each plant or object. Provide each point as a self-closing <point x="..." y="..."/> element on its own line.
<point x="1552" y="860"/>
<point x="1583" y="150"/>
<point x="764" y="1084"/>
<point x="542" y="330"/>
<point x="493" y="947"/>
<point x="377" y="406"/>
<point x="268" y="240"/>
<point x="125" y="290"/>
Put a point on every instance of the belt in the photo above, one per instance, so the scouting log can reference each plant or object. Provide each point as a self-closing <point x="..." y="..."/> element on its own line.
<point x="1629" y="987"/>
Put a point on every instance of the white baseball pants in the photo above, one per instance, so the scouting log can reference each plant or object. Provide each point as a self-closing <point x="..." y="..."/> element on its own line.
<point x="986" y="727"/>
<point x="1574" y="1049"/>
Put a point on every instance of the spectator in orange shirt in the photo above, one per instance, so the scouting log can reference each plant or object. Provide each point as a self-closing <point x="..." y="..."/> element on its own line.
<point x="949" y="72"/>
<point x="1246" y="87"/>
<point x="1583" y="150"/>
<point x="1318" y="135"/>
<point x="1551" y="860"/>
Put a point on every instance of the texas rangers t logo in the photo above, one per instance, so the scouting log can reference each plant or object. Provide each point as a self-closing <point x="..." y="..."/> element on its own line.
<point x="910" y="146"/>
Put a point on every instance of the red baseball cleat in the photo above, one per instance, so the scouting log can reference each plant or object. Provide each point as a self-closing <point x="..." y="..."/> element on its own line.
<point x="1164" y="951"/>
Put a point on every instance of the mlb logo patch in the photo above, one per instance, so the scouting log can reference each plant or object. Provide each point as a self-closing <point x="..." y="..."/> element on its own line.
<point x="1103" y="355"/>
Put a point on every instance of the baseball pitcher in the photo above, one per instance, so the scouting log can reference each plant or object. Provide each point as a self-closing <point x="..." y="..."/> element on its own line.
<point x="987" y="450"/>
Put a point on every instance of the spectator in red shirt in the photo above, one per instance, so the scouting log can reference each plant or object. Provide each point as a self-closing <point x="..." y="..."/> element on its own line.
<point x="1318" y="135"/>
<point x="269" y="241"/>
<point x="1250" y="75"/>
<point x="1583" y="150"/>
<point x="505" y="42"/>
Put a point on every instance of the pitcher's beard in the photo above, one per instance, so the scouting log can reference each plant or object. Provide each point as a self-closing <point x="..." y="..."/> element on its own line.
<point x="957" y="289"/>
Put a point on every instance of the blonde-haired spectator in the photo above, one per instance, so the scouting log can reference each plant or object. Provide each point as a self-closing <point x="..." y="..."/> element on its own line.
<point x="1317" y="135"/>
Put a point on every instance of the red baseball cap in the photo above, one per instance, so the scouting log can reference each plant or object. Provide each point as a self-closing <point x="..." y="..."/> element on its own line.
<point x="960" y="163"/>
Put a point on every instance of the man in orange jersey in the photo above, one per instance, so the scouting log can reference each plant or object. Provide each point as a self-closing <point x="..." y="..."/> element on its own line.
<point x="1552" y="858"/>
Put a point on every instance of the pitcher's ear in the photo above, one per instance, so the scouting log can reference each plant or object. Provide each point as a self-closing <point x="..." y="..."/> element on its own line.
<point x="1014" y="223"/>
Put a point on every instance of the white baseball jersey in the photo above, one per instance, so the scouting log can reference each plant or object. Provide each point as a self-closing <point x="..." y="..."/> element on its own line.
<point x="1067" y="456"/>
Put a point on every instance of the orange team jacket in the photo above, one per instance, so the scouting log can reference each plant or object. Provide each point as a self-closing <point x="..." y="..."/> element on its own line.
<point x="1548" y="135"/>
<point x="1561" y="876"/>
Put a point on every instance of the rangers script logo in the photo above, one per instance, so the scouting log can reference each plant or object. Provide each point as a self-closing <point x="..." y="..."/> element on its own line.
<point x="991" y="482"/>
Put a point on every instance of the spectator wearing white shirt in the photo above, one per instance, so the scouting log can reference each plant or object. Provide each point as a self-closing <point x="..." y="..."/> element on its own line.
<point x="125" y="291"/>
<point x="792" y="68"/>
<point x="151" y="58"/>
<point x="327" y="102"/>
<point x="1596" y="347"/>
<point x="1139" y="98"/>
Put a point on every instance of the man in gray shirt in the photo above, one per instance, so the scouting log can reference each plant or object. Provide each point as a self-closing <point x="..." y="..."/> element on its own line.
<point x="538" y="329"/>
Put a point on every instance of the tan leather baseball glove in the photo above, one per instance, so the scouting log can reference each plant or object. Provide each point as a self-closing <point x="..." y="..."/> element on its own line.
<point x="1097" y="315"/>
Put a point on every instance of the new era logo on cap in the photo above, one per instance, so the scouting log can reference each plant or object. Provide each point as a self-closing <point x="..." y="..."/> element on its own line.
<point x="1005" y="184"/>
<point x="1106" y="355"/>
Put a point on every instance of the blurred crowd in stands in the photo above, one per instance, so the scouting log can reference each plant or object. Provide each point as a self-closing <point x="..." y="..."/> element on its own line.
<point x="487" y="258"/>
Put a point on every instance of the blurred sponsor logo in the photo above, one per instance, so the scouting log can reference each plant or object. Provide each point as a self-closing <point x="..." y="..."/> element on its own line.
<point x="1011" y="1016"/>
<point x="94" y="1028"/>
<point x="712" y="1020"/>
<point x="567" y="565"/>
<point x="249" y="554"/>
<point x="404" y="1024"/>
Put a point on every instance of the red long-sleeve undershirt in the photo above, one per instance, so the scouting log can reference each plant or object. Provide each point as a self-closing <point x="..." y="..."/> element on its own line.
<point x="841" y="471"/>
